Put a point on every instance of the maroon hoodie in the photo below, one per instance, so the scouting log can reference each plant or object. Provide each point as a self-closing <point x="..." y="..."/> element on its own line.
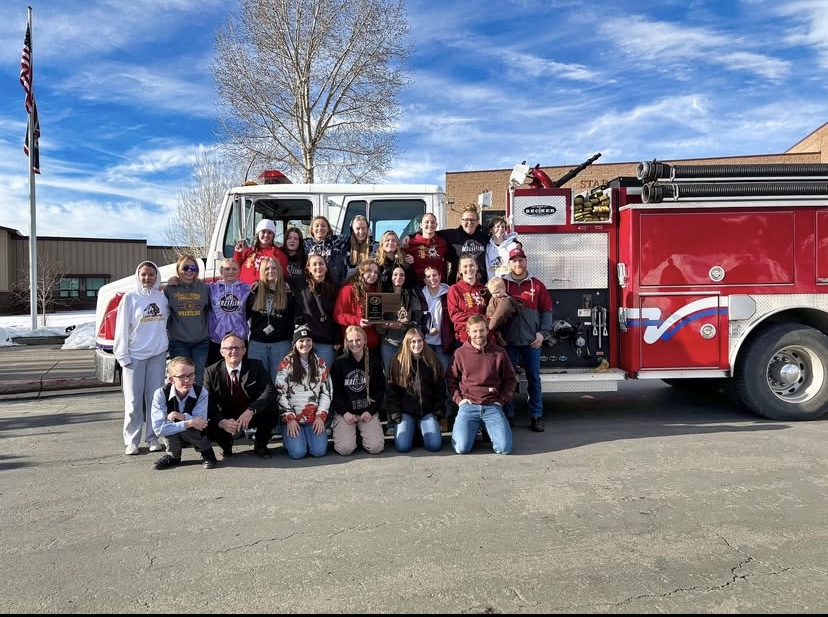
<point x="482" y="377"/>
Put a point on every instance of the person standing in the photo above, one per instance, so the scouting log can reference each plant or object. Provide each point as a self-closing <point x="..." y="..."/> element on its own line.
<point x="467" y="239"/>
<point x="315" y="300"/>
<point x="294" y="249"/>
<point x="438" y="327"/>
<point x="323" y="241"/>
<point x="501" y="241"/>
<point x="467" y="297"/>
<point x="358" y="245"/>
<point x="358" y="391"/>
<point x="240" y="396"/>
<point x="415" y="397"/>
<point x="428" y="249"/>
<point x="179" y="414"/>
<point x="350" y="309"/>
<point x="303" y="385"/>
<point x="250" y="258"/>
<point x="228" y="312"/>
<point x="481" y="381"/>
<point x="140" y="347"/>
<point x="524" y="334"/>
<point x="189" y="300"/>
<point x="270" y="311"/>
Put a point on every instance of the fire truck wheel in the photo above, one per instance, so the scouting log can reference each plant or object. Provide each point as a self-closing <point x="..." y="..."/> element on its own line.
<point x="783" y="373"/>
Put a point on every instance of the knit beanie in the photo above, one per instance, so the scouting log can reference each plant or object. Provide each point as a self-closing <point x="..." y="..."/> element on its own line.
<point x="300" y="333"/>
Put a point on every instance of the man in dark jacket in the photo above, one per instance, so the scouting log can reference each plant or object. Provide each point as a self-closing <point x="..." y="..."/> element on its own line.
<point x="481" y="381"/>
<point x="241" y="396"/>
<point x="467" y="239"/>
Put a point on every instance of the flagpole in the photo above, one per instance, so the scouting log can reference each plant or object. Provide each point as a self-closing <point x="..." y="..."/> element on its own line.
<point x="33" y="282"/>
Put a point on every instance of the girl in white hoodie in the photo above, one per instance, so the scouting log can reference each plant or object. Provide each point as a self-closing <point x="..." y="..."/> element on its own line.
<point x="141" y="350"/>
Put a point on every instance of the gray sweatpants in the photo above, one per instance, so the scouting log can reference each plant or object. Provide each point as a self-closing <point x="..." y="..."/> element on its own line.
<point x="140" y="381"/>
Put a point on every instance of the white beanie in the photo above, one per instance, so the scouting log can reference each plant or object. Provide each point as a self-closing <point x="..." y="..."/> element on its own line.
<point x="266" y="224"/>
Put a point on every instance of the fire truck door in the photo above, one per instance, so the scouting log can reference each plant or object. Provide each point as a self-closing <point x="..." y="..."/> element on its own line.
<point x="680" y="331"/>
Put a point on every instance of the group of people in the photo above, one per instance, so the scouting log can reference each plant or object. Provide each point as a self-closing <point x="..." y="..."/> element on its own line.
<point x="283" y="339"/>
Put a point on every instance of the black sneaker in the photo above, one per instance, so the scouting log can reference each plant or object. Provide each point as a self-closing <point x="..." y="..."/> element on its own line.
<point x="536" y="424"/>
<point x="168" y="460"/>
<point x="226" y="453"/>
<point x="209" y="463"/>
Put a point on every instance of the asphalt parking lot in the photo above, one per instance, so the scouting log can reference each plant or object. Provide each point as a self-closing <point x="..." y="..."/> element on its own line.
<point x="638" y="501"/>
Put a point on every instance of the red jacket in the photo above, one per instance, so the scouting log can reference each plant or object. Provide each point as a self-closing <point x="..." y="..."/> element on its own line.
<point x="250" y="259"/>
<point x="347" y="312"/>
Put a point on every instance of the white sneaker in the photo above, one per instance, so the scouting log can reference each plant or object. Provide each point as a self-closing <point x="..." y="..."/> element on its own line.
<point x="131" y="450"/>
<point x="154" y="446"/>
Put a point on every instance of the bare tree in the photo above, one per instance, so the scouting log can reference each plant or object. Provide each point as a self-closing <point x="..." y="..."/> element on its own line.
<point x="312" y="86"/>
<point x="49" y="274"/>
<point x="198" y="205"/>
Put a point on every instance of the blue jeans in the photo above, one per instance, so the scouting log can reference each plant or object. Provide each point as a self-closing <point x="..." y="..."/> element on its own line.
<point x="388" y="352"/>
<point x="445" y="359"/>
<point x="430" y="428"/>
<point x="529" y="359"/>
<point x="468" y="421"/>
<point x="270" y="354"/>
<point x="197" y="352"/>
<point x="326" y="352"/>
<point x="306" y="442"/>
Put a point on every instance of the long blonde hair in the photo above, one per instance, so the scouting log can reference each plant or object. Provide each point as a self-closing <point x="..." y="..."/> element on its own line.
<point x="279" y="295"/>
<point x="402" y="364"/>
<point x="357" y="251"/>
<point x="398" y="257"/>
<point x="366" y="355"/>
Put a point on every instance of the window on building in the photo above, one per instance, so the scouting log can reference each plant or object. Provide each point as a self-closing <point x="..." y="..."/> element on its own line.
<point x="70" y="287"/>
<point x="93" y="284"/>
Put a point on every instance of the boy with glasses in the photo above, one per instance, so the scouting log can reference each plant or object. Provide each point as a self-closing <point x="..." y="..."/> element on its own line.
<point x="179" y="414"/>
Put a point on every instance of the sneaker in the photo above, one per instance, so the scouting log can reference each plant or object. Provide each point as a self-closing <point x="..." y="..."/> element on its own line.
<point x="536" y="424"/>
<point x="391" y="430"/>
<point x="154" y="446"/>
<point x="168" y="460"/>
<point x="131" y="450"/>
<point x="226" y="453"/>
<point x="209" y="463"/>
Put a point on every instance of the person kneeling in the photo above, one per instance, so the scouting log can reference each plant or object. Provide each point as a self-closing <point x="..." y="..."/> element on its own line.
<point x="179" y="414"/>
<point x="416" y="393"/>
<point x="481" y="380"/>
<point x="303" y="384"/>
<point x="358" y="389"/>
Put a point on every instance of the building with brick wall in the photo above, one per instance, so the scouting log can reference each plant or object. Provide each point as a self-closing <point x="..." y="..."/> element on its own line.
<point x="463" y="187"/>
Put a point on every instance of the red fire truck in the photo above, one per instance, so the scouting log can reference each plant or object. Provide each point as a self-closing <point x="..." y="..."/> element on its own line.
<point x="684" y="274"/>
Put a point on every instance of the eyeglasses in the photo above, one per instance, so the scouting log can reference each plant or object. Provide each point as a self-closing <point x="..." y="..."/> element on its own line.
<point x="190" y="377"/>
<point x="189" y="268"/>
<point x="234" y="348"/>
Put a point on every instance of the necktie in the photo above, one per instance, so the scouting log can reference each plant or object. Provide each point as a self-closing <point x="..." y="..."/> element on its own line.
<point x="234" y="381"/>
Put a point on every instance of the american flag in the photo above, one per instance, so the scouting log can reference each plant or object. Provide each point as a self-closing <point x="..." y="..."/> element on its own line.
<point x="31" y="106"/>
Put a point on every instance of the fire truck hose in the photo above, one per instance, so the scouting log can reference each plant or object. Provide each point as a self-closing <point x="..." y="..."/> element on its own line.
<point x="654" y="192"/>
<point x="649" y="171"/>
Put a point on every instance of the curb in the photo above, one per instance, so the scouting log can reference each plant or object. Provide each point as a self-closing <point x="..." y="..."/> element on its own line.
<point x="33" y="386"/>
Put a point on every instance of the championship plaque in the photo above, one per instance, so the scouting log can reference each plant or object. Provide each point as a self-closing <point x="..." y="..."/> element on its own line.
<point x="380" y="307"/>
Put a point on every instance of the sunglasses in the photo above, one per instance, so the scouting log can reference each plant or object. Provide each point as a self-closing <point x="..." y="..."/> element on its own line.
<point x="189" y="268"/>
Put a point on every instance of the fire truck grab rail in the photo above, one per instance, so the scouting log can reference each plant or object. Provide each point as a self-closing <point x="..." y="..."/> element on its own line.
<point x="654" y="192"/>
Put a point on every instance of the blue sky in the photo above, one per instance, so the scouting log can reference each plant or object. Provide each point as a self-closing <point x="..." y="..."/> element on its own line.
<point x="126" y="97"/>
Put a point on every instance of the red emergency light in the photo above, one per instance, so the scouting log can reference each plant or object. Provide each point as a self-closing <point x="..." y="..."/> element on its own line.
<point x="273" y="176"/>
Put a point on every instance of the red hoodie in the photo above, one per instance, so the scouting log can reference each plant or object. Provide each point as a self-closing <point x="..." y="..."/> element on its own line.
<point x="463" y="301"/>
<point x="482" y="377"/>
